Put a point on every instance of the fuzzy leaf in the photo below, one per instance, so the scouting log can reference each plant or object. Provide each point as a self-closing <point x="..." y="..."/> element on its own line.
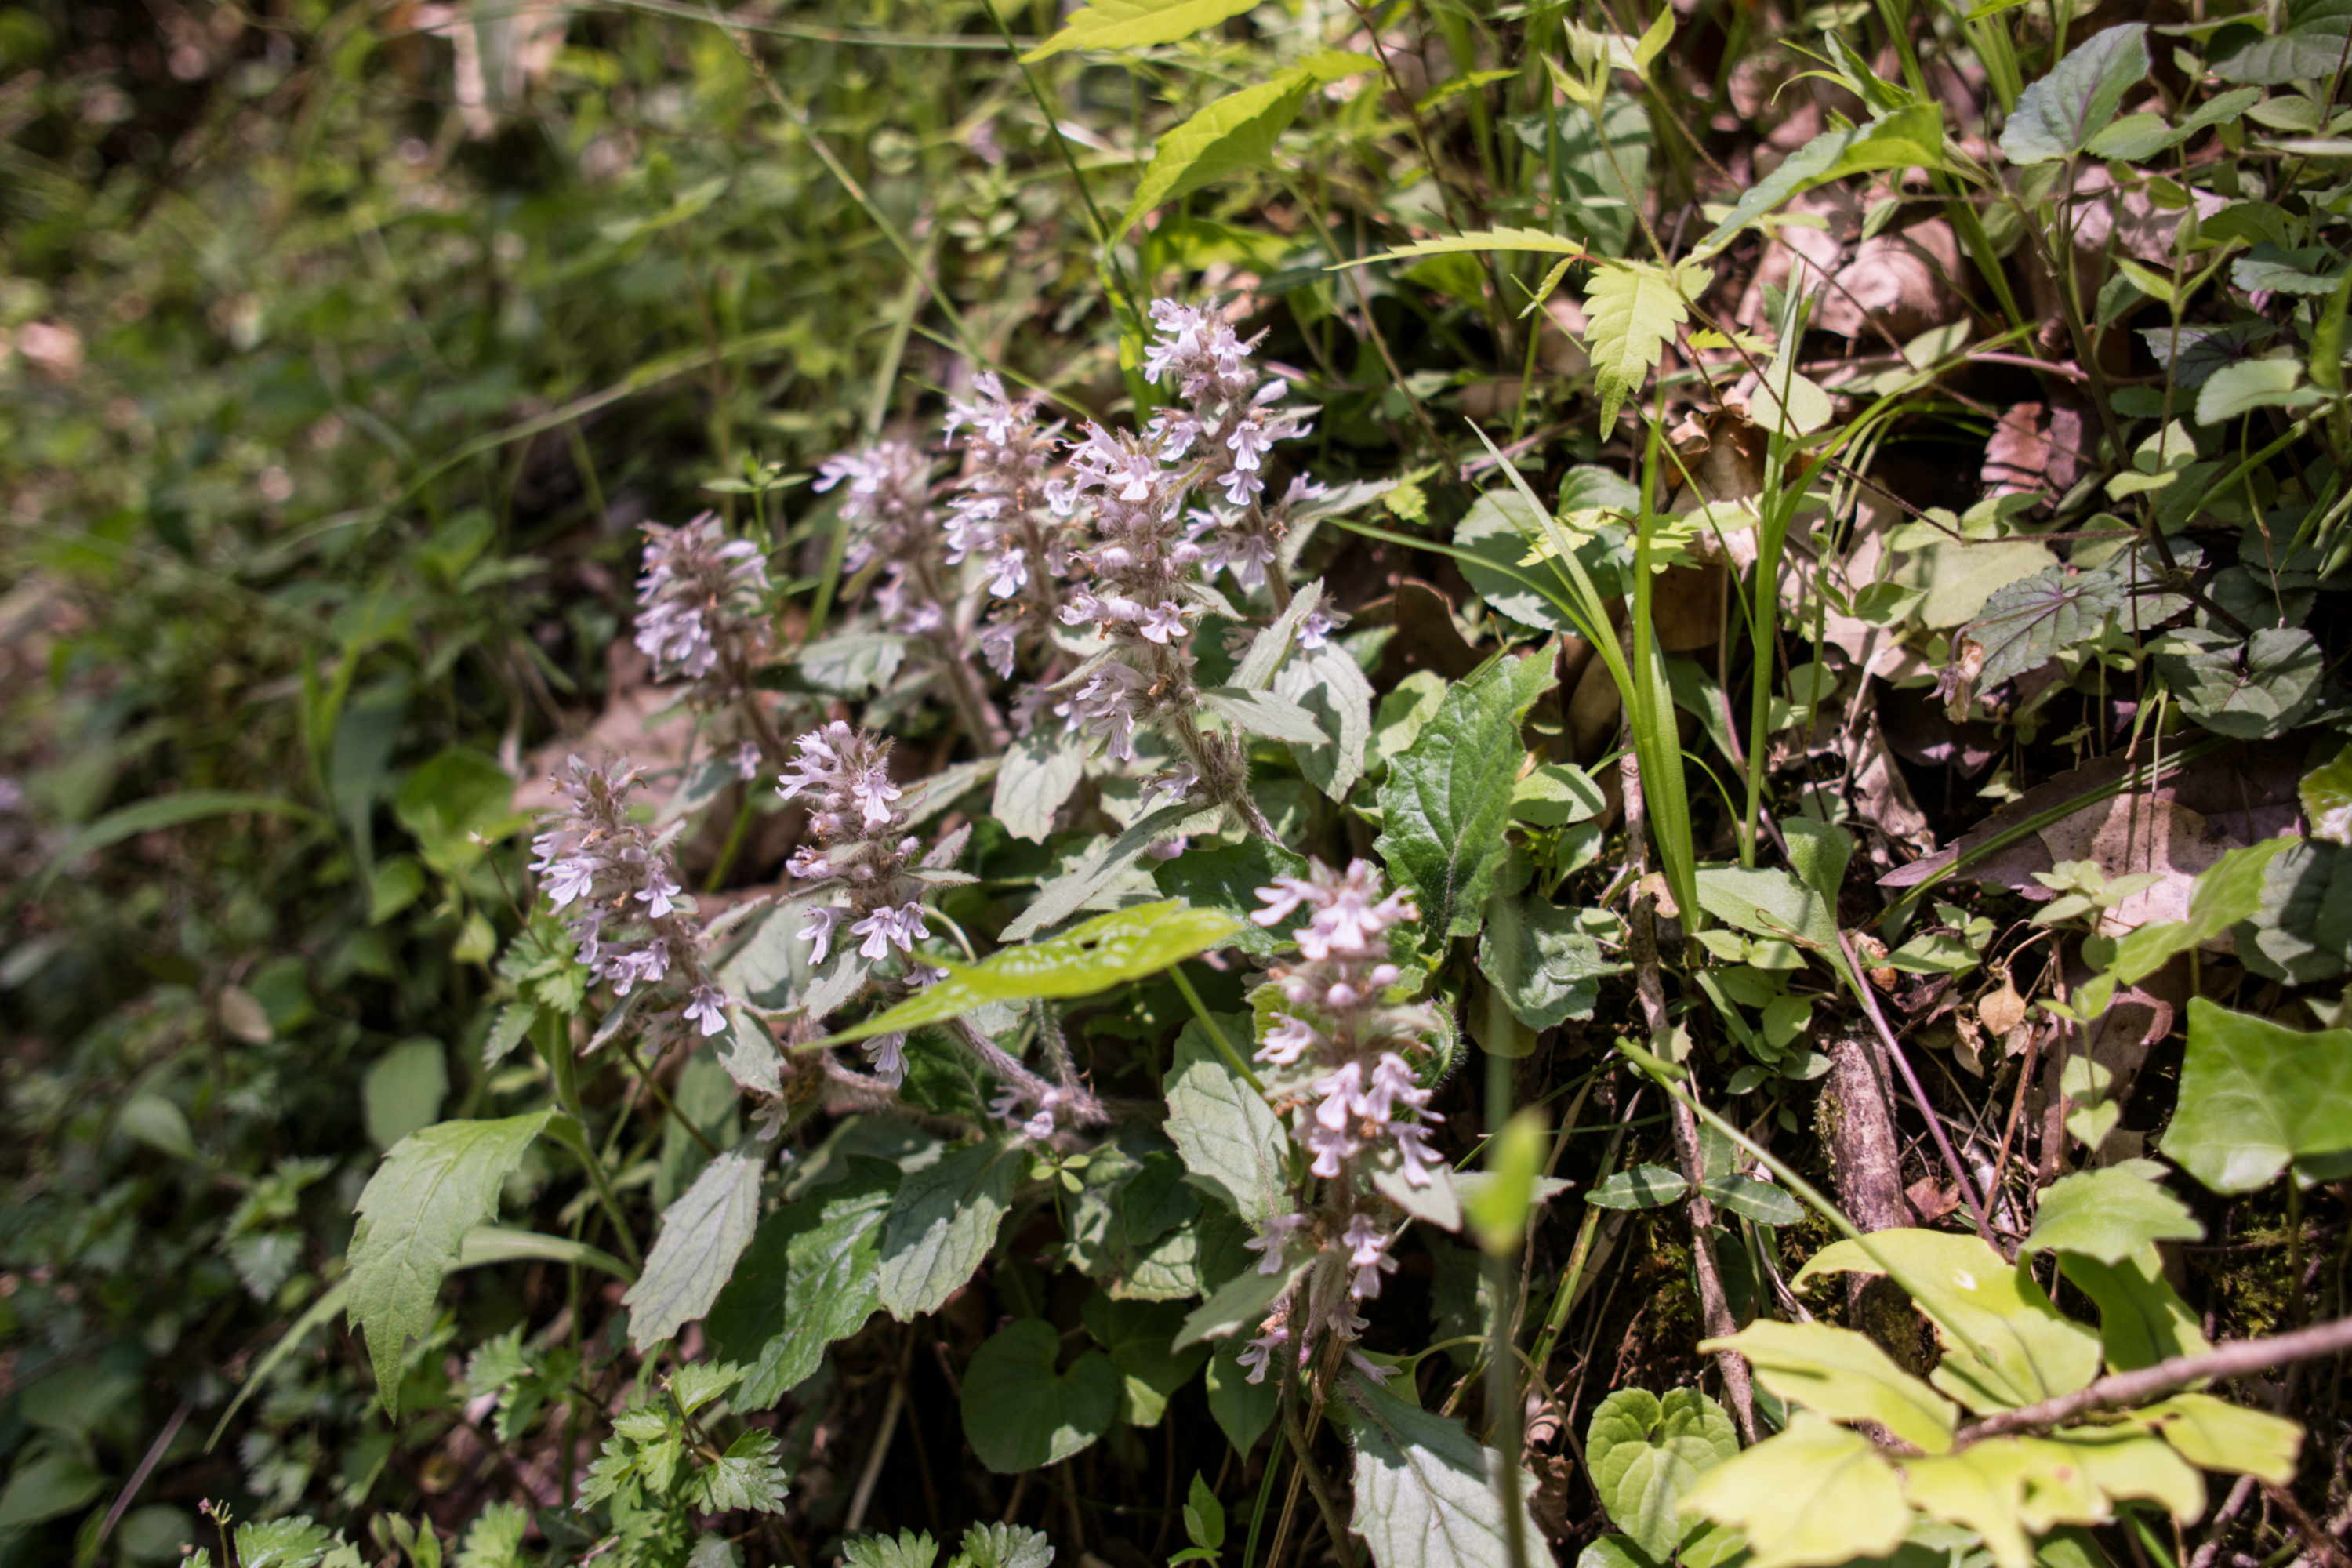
<point x="1645" y="1452"/>
<point x="1813" y="1496"/>
<point x="1426" y="1494"/>
<point x="1020" y="1413"/>
<point x="1135" y="24"/>
<point x="941" y="1224"/>
<point x="2255" y="1096"/>
<point x="1839" y="1374"/>
<point x="2057" y="116"/>
<point x="702" y="1234"/>
<point x="435" y="1185"/>
<point x="1448" y="798"/>
<point x="2110" y="1214"/>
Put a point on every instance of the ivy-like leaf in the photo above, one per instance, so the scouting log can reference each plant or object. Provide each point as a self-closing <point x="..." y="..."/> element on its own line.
<point x="1448" y="798"/>
<point x="1813" y="1496"/>
<point x="1645" y="1452"/>
<point x="2110" y="1213"/>
<point x="2057" y="116"/>
<point x="1134" y="25"/>
<point x="1839" y="1374"/>
<point x="435" y="1185"/>
<point x="702" y="1234"/>
<point x="1427" y="1496"/>
<point x="2255" y="1096"/>
<point x="810" y="1278"/>
<point x="1020" y="1413"/>
<point x="943" y="1223"/>
<point x="1632" y="311"/>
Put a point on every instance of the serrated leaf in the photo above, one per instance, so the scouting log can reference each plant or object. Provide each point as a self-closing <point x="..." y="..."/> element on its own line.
<point x="1632" y="312"/>
<point x="1644" y="1453"/>
<point x="702" y="1234"/>
<point x="1039" y="771"/>
<point x="1263" y="713"/>
<point x="1229" y="1140"/>
<point x="1020" y="1413"/>
<point x="943" y="1223"/>
<point x="810" y="1278"/>
<point x="2004" y="1344"/>
<point x="2110" y="1215"/>
<point x="2057" y="116"/>
<point x="435" y="1185"/>
<point x="1135" y="24"/>
<point x="1639" y="1187"/>
<point x="1426" y="1495"/>
<point x="1813" y="1496"/>
<point x="1905" y="137"/>
<point x="1843" y="1376"/>
<point x="1106" y="951"/>
<point x="2255" y="1097"/>
<point x="1448" y="797"/>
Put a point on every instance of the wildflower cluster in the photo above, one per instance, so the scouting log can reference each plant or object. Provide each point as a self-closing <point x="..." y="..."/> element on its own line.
<point x="998" y="517"/>
<point x="627" y="914"/>
<point x="1339" y="1057"/>
<point x="888" y="509"/>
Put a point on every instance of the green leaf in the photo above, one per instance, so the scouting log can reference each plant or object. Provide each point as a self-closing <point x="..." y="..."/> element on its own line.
<point x="1020" y="1413"/>
<point x="810" y="1278"/>
<point x="1108" y="950"/>
<point x="2255" y="1097"/>
<point x="1448" y="797"/>
<point x="1842" y="1375"/>
<point x="2214" y="1435"/>
<point x="1134" y="25"/>
<point x="1230" y="1141"/>
<point x="2057" y="116"/>
<point x="2110" y="1215"/>
<point x="941" y="1225"/>
<point x="702" y="1234"/>
<point x="1631" y="310"/>
<point x="2004" y="1344"/>
<point x="2326" y="795"/>
<point x="1263" y="713"/>
<point x="1039" y="771"/>
<point x="1427" y="1496"/>
<point x="1237" y="131"/>
<point x="1639" y="1187"/>
<point x="1644" y="1453"/>
<point x="435" y="1185"/>
<point x="402" y="1091"/>
<point x="1329" y="687"/>
<point x="1813" y="1496"/>
<point x="1546" y="967"/>
<point x="1908" y="138"/>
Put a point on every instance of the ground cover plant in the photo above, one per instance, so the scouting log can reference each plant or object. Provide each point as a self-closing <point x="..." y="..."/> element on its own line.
<point x="1176" y="781"/>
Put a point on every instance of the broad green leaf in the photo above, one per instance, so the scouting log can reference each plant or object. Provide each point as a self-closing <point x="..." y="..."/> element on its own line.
<point x="1813" y="1496"/>
<point x="2004" y="1344"/>
<point x="809" y="1279"/>
<point x="1645" y="1452"/>
<point x="1448" y="797"/>
<point x="1330" y="686"/>
<point x="1842" y="1375"/>
<point x="1020" y="1413"/>
<point x="1908" y="138"/>
<point x="1632" y="312"/>
<point x="1134" y="25"/>
<point x="1230" y="1141"/>
<point x="435" y="1185"/>
<point x="941" y="1224"/>
<point x="2255" y="1096"/>
<point x="2057" y="116"/>
<point x="1237" y="131"/>
<point x="1106" y="951"/>
<point x="1426" y="1495"/>
<point x="2110" y="1215"/>
<point x="2326" y="795"/>
<point x="2142" y="1319"/>
<point x="1263" y="713"/>
<point x="1639" y="1187"/>
<point x="1102" y="868"/>
<point x="1545" y="966"/>
<point x="2215" y="1435"/>
<point x="1039" y="771"/>
<point x="702" y="1234"/>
